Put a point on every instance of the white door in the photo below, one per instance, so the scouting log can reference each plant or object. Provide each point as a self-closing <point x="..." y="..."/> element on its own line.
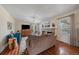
<point x="64" y="27"/>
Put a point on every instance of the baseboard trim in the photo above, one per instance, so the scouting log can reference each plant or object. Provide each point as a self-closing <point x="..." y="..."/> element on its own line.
<point x="2" y="48"/>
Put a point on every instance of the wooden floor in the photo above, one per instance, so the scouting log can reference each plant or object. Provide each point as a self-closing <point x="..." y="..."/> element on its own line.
<point x="59" y="49"/>
<point x="8" y="51"/>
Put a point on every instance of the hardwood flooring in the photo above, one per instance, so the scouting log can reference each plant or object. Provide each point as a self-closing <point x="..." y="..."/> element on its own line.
<point x="7" y="51"/>
<point x="59" y="49"/>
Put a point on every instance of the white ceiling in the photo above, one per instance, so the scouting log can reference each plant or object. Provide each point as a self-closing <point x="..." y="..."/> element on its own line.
<point x="41" y="11"/>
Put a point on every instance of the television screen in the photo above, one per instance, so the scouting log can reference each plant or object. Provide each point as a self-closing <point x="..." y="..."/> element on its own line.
<point x="25" y="26"/>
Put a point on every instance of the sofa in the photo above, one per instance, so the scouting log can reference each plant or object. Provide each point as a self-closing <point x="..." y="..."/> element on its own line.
<point x="37" y="44"/>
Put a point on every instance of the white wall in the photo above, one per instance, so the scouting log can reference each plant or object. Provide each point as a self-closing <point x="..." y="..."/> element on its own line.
<point x="4" y="18"/>
<point x="77" y="27"/>
<point x="19" y="23"/>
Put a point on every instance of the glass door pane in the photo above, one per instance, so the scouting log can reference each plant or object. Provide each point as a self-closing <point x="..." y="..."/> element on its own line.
<point x="64" y="29"/>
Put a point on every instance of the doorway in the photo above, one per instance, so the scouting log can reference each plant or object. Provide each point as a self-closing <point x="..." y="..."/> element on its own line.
<point x="64" y="29"/>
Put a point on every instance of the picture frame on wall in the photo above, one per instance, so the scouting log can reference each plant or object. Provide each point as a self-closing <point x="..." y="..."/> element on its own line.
<point x="9" y="25"/>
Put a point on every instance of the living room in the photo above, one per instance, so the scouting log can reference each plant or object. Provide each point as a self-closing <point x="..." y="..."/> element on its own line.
<point x="33" y="21"/>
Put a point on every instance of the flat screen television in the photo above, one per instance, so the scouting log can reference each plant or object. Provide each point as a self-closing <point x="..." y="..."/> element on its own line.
<point x="25" y="26"/>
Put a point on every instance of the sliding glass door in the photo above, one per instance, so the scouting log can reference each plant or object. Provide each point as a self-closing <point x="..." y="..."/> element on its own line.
<point x="64" y="27"/>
